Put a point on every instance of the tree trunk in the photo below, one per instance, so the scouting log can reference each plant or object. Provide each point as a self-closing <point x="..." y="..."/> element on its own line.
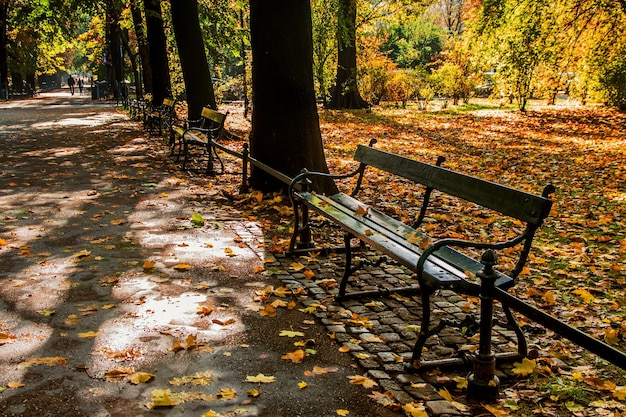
<point x="346" y="93"/>
<point x="4" y="67"/>
<point x="142" y="45"/>
<point x="115" y="49"/>
<point x="285" y="124"/>
<point x="161" y="84"/>
<point x="193" y="61"/>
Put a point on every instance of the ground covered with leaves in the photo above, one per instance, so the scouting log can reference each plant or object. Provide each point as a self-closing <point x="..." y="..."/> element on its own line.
<point x="577" y="269"/>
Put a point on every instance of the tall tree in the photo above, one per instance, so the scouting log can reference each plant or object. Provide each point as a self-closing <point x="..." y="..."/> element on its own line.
<point x="346" y="93"/>
<point x="285" y="124"/>
<point x="4" y="68"/>
<point x="161" y="84"/>
<point x="142" y="44"/>
<point x="193" y="61"/>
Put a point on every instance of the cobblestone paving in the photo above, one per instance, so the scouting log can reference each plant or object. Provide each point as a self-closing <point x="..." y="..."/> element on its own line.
<point x="381" y="332"/>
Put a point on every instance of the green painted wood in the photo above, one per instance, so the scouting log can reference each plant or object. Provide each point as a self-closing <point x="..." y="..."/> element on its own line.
<point x="529" y="208"/>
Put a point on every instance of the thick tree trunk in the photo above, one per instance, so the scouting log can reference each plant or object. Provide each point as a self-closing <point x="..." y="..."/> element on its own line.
<point x="161" y="84"/>
<point x="4" y="67"/>
<point x="285" y="124"/>
<point x="192" y="55"/>
<point x="346" y="93"/>
<point x="115" y="49"/>
<point x="142" y="45"/>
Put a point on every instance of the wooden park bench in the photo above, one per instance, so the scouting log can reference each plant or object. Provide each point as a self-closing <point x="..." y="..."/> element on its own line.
<point x="443" y="263"/>
<point x="199" y="135"/>
<point x="161" y="117"/>
<point x="139" y="108"/>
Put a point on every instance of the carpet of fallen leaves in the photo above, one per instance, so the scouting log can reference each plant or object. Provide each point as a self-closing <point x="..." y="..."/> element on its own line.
<point x="577" y="269"/>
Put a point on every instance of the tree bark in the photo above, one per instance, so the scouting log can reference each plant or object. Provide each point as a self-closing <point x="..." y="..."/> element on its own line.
<point x="161" y="84"/>
<point x="4" y="67"/>
<point x="285" y="124"/>
<point x="115" y="48"/>
<point x="346" y="94"/>
<point x="142" y="46"/>
<point x="193" y="61"/>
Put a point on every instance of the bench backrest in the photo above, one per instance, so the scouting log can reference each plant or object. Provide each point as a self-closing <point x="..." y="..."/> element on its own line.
<point x="213" y="115"/>
<point x="168" y="102"/>
<point x="529" y="208"/>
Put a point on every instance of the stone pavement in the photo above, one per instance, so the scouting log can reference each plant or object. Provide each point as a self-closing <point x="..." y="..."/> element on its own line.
<point x="103" y="274"/>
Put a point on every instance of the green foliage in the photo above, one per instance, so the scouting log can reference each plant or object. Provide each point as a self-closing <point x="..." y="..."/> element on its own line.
<point x="612" y="79"/>
<point x="413" y="43"/>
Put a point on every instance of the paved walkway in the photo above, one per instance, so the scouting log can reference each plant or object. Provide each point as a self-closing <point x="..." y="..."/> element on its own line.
<point x="103" y="275"/>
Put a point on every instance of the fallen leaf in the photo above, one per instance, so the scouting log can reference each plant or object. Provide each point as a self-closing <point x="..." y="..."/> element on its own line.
<point x="260" y="378"/>
<point x="88" y="335"/>
<point x="290" y="333"/>
<point x="140" y="377"/>
<point x="295" y="357"/>
<point x="362" y="380"/>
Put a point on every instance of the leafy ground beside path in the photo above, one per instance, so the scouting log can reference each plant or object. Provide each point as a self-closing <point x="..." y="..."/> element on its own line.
<point x="577" y="269"/>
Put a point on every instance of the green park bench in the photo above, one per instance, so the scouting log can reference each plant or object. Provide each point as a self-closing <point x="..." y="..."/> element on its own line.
<point x="441" y="263"/>
<point x="199" y="135"/>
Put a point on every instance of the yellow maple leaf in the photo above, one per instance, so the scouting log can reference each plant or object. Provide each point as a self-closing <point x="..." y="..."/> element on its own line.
<point x="182" y="267"/>
<point x="620" y="393"/>
<point x="295" y="356"/>
<point x="525" y="367"/>
<point x="585" y="295"/>
<point x="611" y="336"/>
<point x="362" y="380"/>
<point x="227" y="394"/>
<point x="260" y="378"/>
<point x="148" y="265"/>
<point x="253" y="392"/>
<point x="117" y="222"/>
<point x="139" y="377"/>
<point x="229" y="252"/>
<point x="445" y="394"/>
<point x="88" y="335"/>
<point x="118" y="374"/>
<point x="319" y="370"/>
<point x="308" y="274"/>
<point x="296" y="266"/>
<point x="414" y="410"/>
<point x="204" y="310"/>
<point x="461" y="382"/>
<point x="290" y="333"/>
<point x="48" y="360"/>
<point x="81" y="254"/>
<point x="302" y="385"/>
<point x="342" y="412"/>
<point x="162" y="398"/>
<point x="14" y="385"/>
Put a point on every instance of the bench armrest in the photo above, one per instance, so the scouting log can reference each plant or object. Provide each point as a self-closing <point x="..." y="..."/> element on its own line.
<point x="525" y="238"/>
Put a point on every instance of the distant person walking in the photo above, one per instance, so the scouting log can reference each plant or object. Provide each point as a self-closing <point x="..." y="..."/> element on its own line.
<point x="71" y="82"/>
<point x="80" y="85"/>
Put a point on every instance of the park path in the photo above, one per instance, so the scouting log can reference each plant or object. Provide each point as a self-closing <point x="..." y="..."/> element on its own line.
<point x="103" y="275"/>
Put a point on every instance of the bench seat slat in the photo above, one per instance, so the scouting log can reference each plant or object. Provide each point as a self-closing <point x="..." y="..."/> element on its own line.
<point x="527" y="207"/>
<point x="439" y="271"/>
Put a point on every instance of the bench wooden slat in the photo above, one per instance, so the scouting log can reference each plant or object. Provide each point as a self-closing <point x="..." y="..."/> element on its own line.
<point x="527" y="207"/>
<point x="384" y="232"/>
<point x="448" y="255"/>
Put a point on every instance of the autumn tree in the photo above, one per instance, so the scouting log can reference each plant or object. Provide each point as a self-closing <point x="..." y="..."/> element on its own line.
<point x="193" y="61"/>
<point x="4" y="68"/>
<point x="346" y="94"/>
<point x="285" y="125"/>
<point x="161" y="85"/>
<point x="143" y="48"/>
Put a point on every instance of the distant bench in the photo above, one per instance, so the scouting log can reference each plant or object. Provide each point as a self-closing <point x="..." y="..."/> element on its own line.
<point x="201" y="134"/>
